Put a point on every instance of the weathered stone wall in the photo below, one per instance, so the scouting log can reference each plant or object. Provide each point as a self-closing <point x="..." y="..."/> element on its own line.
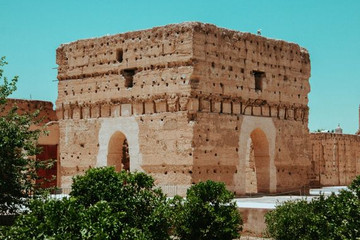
<point x="47" y="115"/>
<point x="47" y="112"/>
<point x="227" y="61"/>
<point x="227" y="88"/>
<point x="48" y="141"/>
<point x="190" y="99"/>
<point x="95" y="85"/>
<point x="335" y="158"/>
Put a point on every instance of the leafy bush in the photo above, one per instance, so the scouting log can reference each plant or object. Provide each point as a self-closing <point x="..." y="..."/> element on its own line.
<point x="145" y="208"/>
<point x="104" y="204"/>
<point x="355" y="186"/>
<point x="332" y="217"/>
<point x="207" y="213"/>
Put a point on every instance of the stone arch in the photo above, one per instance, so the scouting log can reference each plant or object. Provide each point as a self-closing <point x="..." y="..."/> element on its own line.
<point x="261" y="133"/>
<point x="257" y="163"/>
<point x="118" y="152"/>
<point x="129" y="127"/>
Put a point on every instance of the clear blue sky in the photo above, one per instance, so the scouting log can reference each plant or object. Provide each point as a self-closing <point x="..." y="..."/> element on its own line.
<point x="30" y="32"/>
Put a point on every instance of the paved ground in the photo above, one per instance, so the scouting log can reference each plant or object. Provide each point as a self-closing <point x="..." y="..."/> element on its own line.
<point x="270" y="202"/>
<point x="267" y="202"/>
<point x="253" y="238"/>
<point x="327" y="190"/>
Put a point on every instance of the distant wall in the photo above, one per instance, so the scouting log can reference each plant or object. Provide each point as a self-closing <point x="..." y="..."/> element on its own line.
<point x="49" y="141"/>
<point x="335" y="158"/>
<point x="30" y="106"/>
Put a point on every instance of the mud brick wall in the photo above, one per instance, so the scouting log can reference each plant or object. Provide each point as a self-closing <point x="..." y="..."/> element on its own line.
<point x="193" y="101"/>
<point x="241" y="76"/>
<point x="46" y="109"/>
<point x="46" y="116"/>
<point x="140" y="79"/>
<point x="335" y="158"/>
<point x="48" y="121"/>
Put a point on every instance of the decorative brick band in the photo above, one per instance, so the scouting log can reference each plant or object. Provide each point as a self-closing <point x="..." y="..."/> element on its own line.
<point x="159" y="104"/>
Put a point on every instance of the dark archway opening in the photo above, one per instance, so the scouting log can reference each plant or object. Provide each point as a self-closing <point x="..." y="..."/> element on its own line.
<point x="118" y="152"/>
<point x="258" y="163"/>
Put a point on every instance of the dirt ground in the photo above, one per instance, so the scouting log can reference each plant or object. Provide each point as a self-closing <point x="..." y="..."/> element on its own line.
<point x="253" y="238"/>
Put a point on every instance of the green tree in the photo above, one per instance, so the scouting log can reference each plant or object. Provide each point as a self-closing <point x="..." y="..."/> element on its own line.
<point x="146" y="208"/>
<point x="17" y="144"/>
<point x="326" y="217"/>
<point x="207" y="213"/>
<point x="104" y="204"/>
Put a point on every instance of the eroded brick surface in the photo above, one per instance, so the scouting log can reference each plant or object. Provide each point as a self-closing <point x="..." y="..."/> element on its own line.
<point x="335" y="158"/>
<point x="194" y="101"/>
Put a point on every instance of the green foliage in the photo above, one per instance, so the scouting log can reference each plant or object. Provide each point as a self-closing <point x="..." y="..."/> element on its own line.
<point x="355" y="186"/>
<point x="207" y="213"/>
<point x="8" y="87"/>
<point x="104" y="204"/>
<point x="106" y="184"/>
<point x="146" y="208"/>
<point x="332" y="217"/>
<point x="17" y="143"/>
<point x="291" y="220"/>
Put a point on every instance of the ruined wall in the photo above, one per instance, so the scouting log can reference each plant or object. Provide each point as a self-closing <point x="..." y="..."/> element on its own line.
<point x="335" y="158"/>
<point x="188" y="98"/>
<point x="136" y="77"/>
<point x="216" y="147"/>
<point x="48" y="142"/>
<point x="47" y="115"/>
<point x="238" y="75"/>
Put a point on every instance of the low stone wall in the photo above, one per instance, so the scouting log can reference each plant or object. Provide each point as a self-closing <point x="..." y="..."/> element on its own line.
<point x="254" y="221"/>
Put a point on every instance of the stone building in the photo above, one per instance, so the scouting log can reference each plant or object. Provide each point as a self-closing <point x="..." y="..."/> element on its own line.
<point x="190" y="102"/>
<point x="186" y="103"/>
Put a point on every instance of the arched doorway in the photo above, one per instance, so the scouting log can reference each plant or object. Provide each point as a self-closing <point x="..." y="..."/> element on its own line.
<point x="257" y="163"/>
<point x="118" y="152"/>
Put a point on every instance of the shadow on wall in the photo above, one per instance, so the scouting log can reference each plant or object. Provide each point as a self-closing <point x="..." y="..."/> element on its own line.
<point x="258" y="163"/>
<point x="118" y="152"/>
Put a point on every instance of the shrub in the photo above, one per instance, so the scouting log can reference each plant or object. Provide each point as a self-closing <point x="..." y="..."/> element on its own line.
<point x="332" y="217"/>
<point x="104" y="204"/>
<point x="355" y="186"/>
<point x="145" y="208"/>
<point x="207" y="213"/>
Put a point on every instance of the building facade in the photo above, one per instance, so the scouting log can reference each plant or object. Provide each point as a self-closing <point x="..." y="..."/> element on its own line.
<point x="191" y="102"/>
<point x="186" y="103"/>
